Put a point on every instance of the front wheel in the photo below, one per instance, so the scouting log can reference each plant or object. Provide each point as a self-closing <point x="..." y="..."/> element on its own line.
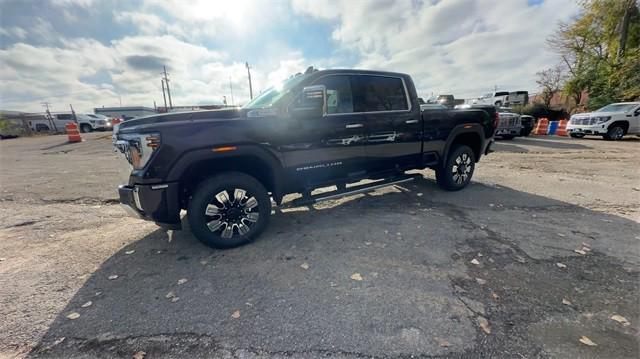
<point x="455" y="174"/>
<point x="615" y="133"/>
<point x="229" y="210"/>
<point x="84" y="128"/>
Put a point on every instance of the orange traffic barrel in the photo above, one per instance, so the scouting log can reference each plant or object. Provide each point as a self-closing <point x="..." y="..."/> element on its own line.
<point x="542" y="126"/>
<point x="72" y="132"/>
<point x="562" y="128"/>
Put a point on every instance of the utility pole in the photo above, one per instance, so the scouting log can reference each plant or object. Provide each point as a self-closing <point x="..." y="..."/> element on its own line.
<point x="249" y="74"/>
<point x="154" y="105"/>
<point x="231" y="86"/>
<point x="166" y="80"/>
<point x="51" y="122"/>
<point x="73" y="114"/>
<point x="164" y="96"/>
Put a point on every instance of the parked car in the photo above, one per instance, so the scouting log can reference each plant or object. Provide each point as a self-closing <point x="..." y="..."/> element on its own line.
<point x="86" y="122"/>
<point x="612" y="121"/>
<point x="509" y="125"/>
<point x="318" y="129"/>
<point x="527" y="122"/>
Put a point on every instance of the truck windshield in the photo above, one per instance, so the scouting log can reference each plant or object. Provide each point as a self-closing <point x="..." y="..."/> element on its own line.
<point x="617" y="107"/>
<point x="275" y="93"/>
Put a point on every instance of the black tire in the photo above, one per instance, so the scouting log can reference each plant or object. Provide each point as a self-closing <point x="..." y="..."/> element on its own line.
<point x="446" y="174"/>
<point x="253" y="220"/>
<point x="507" y="137"/>
<point x="576" y="135"/>
<point x="84" y="128"/>
<point x="615" y="133"/>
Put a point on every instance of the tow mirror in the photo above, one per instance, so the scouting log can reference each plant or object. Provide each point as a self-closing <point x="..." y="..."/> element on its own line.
<point x="312" y="102"/>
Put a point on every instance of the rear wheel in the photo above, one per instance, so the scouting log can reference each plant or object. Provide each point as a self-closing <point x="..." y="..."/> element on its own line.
<point x="576" y="135"/>
<point x="456" y="173"/>
<point x="229" y="210"/>
<point x="615" y="133"/>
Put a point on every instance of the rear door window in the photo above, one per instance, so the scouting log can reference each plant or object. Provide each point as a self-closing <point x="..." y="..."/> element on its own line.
<point x="378" y="93"/>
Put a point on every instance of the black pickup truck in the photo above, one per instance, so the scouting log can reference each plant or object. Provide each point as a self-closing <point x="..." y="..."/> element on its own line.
<point x="317" y="129"/>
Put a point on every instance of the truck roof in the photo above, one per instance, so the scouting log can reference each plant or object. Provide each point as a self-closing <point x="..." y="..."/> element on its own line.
<point x="359" y="72"/>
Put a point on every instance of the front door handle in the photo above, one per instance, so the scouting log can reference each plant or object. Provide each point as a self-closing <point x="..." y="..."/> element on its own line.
<point x="354" y="125"/>
<point x="410" y="121"/>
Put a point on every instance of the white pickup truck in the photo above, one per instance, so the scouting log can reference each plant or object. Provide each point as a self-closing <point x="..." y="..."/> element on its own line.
<point x="612" y="122"/>
<point x="87" y="122"/>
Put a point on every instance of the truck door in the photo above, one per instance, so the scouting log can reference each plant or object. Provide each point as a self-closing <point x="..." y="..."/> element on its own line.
<point x="329" y="147"/>
<point x="393" y="127"/>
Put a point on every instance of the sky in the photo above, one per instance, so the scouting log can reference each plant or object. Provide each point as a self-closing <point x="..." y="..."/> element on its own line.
<point x="94" y="53"/>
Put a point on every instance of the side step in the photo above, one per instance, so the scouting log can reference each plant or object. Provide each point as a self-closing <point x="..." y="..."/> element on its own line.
<point x="351" y="190"/>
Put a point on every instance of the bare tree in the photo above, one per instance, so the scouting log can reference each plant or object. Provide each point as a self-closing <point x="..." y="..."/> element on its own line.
<point x="550" y="82"/>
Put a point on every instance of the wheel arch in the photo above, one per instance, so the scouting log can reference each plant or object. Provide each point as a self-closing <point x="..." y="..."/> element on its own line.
<point x="622" y="123"/>
<point x="196" y="166"/>
<point x="467" y="134"/>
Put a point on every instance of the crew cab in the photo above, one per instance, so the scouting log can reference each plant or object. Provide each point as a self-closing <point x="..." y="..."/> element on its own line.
<point x="612" y="122"/>
<point x="317" y="129"/>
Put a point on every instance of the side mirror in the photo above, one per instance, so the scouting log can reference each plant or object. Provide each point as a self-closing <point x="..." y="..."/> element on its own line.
<point x="312" y="102"/>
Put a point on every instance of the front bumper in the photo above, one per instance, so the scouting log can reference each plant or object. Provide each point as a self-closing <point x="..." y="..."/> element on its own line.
<point x="158" y="203"/>
<point x="588" y="130"/>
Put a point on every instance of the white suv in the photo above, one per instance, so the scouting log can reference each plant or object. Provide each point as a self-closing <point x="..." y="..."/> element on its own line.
<point x="611" y="122"/>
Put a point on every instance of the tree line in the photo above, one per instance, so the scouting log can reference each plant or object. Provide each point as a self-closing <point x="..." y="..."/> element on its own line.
<point x="598" y="52"/>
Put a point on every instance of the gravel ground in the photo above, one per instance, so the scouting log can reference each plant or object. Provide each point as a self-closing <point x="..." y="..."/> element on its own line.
<point x="479" y="273"/>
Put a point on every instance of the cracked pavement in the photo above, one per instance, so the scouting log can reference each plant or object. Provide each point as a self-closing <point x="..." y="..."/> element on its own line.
<point x="531" y="204"/>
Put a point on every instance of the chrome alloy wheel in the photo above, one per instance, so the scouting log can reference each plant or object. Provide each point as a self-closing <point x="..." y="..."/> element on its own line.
<point x="232" y="215"/>
<point x="461" y="168"/>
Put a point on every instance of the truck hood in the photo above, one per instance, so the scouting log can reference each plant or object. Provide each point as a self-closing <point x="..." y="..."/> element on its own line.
<point x="150" y="121"/>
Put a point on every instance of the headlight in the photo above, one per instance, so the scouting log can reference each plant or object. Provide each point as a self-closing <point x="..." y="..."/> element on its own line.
<point x="602" y="119"/>
<point x="137" y="148"/>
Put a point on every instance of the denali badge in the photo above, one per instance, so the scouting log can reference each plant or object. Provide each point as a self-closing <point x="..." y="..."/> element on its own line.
<point x="321" y="165"/>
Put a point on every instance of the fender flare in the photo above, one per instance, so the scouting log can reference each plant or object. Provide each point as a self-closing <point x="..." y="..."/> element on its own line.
<point x="462" y="129"/>
<point x="183" y="162"/>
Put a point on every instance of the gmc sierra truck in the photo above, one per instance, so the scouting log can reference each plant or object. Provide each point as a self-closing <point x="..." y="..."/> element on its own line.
<point x="317" y="129"/>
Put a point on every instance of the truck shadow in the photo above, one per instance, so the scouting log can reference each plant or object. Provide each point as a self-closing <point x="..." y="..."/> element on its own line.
<point x="411" y="245"/>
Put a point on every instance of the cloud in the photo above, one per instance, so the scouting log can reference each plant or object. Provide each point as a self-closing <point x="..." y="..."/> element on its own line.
<point x="88" y="74"/>
<point x="453" y="46"/>
<point x="91" y="52"/>
<point x="15" y="32"/>
<point x="145" y="63"/>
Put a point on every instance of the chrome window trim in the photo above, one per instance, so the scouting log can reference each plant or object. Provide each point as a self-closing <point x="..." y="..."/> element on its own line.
<point x="404" y="85"/>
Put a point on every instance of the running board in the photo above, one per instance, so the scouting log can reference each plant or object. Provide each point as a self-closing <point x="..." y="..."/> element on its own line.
<point x="350" y="191"/>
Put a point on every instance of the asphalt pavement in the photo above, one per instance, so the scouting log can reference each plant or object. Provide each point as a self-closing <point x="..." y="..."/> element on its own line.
<point x="539" y="252"/>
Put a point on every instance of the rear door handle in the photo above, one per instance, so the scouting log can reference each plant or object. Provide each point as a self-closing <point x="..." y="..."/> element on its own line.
<point x="410" y="121"/>
<point x="354" y="125"/>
